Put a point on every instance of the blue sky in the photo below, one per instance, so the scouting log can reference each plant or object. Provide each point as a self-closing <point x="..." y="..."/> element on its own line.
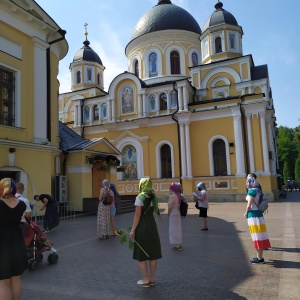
<point x="271" y="34"/>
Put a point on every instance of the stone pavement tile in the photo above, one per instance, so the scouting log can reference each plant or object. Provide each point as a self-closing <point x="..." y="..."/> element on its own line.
<point x="212" y="265"/>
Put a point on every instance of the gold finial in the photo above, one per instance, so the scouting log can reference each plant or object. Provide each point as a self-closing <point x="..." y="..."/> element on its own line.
<point x="85" y="26"/>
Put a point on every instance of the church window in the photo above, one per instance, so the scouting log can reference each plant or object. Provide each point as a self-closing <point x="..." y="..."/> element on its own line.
<point x="7" y="104"/>
<point x="96" y="112"/>
<point x="129" y="159"/>
<point x="153" y="72"/>
<point x="219" y="156"/>
<point x="136" y="68"/>
<point x="152" y="102"/>
<point x="218" y="45"/>
<point x="175" y="62"/>
<point x="78" y="77"/>
<point x="98" y="78"/>
<point x="163" y="101"/>
<point x="166" y="161"/>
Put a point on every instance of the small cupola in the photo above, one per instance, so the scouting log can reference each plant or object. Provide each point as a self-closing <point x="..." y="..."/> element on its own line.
<point x="221" y="36"/>
<point x="87" y="68"/>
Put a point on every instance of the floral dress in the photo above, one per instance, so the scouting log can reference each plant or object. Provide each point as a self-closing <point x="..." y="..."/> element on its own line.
<point x="103" y="218"/>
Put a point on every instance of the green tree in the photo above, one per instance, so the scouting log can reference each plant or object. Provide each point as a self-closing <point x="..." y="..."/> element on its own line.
<point x="297" y="169"/>
<point x="286" y="172"/>
<point x="288" y="150"/>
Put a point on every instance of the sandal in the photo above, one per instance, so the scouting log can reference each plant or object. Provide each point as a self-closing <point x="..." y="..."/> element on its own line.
<point x="141" y="283"/>
<point x="152" y="283"/>
<point x="204" y="229"/>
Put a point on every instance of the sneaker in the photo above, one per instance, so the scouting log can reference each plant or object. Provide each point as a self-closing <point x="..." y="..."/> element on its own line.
<point x="141" y="283"/>
<point x="177" y="248"/>
<point x="53" y="250"/>
<point x="255" y="260"/>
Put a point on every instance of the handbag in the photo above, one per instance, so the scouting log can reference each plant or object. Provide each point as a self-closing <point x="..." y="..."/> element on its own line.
<point x="108" y="199"/>
<point x="197" y="205"/>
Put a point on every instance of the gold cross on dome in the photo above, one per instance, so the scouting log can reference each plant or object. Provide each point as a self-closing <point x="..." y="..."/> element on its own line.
<point x="85" y="26"/>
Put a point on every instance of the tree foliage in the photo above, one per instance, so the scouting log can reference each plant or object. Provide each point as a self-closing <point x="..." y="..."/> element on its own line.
<point x="288" y="150"/>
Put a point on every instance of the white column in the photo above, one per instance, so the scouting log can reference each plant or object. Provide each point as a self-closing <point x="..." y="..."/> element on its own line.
<point x="271" y="144"/>
<point x="79" y="114"/>
<point x="75" y="115"/>
<point x="91" y="115"/>
<point x="40" y="91"/>
<point x="140" y="106"/>
<point x="250" y="143"/>
<point x="188" y="149"/>
<point x="264" y="142"/>
<point x="180" y="98"/>
<point x="182" y="148"/>
<point x="185" y="98"/>
<point x="238" y="138"/>
<point x="109" y="110"/>
<point x="113" y="109"/>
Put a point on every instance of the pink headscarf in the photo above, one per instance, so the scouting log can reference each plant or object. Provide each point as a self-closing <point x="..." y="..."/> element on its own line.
<point x="176" y="188"/>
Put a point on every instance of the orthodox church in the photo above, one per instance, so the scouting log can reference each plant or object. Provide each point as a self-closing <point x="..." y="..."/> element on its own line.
<point x="191" y="107"/>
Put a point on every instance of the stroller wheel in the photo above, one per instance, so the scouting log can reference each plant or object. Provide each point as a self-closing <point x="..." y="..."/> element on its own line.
<point x="39" y="257"/>
<point x="33" y="265"/>
<point x="53" y="258"/>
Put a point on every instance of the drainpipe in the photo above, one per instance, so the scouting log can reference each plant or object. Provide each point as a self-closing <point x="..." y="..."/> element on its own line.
<point x="48" y="68"/>
<point x="178" y="134"/>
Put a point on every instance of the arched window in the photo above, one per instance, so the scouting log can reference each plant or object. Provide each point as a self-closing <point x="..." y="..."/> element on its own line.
<point x="153" y="72"/>
<point x="98" y="78"/>
<point x="163" y="101"/>
<point x="129" y="159"/>
<point x="218" y="45"/>
<point x="136" y="68"/>
<point x="219" y="156"/>
<point x="78" y="77"/>
<point x="152" y="104"/>
<point x="96" y="112"/>
<point x="175" y="62"/>
<point x="166" y="161"/>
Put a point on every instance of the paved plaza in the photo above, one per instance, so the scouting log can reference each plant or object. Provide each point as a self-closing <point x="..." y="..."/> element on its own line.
<point x="213" y="264"/>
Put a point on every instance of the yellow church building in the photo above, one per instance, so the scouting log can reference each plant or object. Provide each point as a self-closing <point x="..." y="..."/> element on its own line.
<point x="31" y="46"/>
<point x="190" y="108"/>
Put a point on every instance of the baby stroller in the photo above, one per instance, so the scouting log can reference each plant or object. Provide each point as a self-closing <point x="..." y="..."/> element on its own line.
<point x="36" y="243"/>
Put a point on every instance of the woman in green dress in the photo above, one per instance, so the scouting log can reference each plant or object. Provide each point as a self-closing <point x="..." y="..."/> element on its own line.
<point x="145" y="233"/>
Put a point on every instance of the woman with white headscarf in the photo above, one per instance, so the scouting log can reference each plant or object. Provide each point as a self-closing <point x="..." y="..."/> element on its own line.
<point x="103" y="216"/>
<point x="256" y="221"/>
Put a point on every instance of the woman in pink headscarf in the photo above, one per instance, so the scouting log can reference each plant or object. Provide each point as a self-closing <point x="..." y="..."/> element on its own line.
<point x="13" y="257"/>
<point x="175" y="231"/>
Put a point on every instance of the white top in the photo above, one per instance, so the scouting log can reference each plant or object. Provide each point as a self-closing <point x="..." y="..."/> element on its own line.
<point x="26" y="201"/>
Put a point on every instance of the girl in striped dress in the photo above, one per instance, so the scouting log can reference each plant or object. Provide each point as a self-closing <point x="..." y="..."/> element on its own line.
<point x="256" y="221"/>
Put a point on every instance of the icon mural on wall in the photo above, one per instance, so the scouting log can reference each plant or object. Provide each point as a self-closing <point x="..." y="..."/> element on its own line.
<point x="173" y="97"/>
<point x="232" y="40"/>
<point x="127" y="100"/>
<point x="153" y="64"/>
<point x="129" y="160"/>
<point x="104" y="111"/>
<point x="152" y="101"/>
<point x="194" y="59"/>
<point x="86" y="114"/>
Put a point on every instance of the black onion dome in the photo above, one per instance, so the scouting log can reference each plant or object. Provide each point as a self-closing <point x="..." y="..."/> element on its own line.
<point x="220" y="16"/>
<point x="86" y="53"/>
<point x="165" y="16"/>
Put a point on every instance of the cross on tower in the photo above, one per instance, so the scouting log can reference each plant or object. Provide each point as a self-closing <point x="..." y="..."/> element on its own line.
<point x="85" y="26"/>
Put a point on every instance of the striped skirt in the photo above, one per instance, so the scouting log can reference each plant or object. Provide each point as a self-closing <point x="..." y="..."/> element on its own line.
<point x="258" y="229"/>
